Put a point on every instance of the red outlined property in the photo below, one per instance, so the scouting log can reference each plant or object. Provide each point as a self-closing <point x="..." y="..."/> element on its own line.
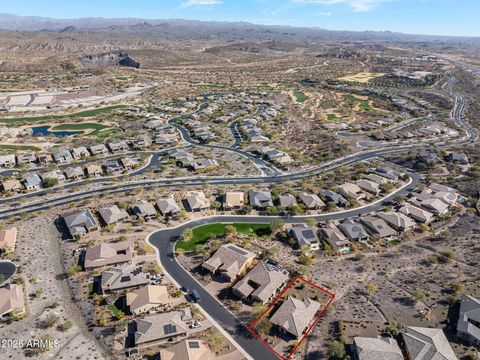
<point x="329" y="296"/>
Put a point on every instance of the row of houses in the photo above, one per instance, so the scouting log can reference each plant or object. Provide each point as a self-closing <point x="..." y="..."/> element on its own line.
<point x="185" y="159"/>
<point x="35" y="181"/>
<point x="78" y="153"/>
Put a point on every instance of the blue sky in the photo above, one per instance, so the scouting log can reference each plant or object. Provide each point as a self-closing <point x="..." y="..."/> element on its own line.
<point x="441" y="17"/>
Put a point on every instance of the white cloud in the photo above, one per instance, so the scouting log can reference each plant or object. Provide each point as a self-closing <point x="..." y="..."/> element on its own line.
<point x="355" y="5"/>
<point x="326" y="13"/>
<point x="190" y="3"/>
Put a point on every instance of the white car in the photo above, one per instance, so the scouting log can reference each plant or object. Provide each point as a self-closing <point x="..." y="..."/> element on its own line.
<point x="196" y="325"/>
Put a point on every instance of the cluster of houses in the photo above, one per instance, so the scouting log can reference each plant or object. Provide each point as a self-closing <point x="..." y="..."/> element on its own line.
<point x="185" y="159"/>
<point x="162" y="133"/>
<point x="423" y="343"/>
<point x="35" y="181"/>
<point x="429" y="131"/>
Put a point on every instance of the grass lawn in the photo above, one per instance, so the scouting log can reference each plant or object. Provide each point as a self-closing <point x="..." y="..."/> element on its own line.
<point x="333" y="117"/>
<point x="363" y="104"/>
<point x="114" y="310"/>
<point x="86" y="113"/>
<point x="19" y="147"/>
<point x="203" y="233"/>
<point x="300" y="96"/>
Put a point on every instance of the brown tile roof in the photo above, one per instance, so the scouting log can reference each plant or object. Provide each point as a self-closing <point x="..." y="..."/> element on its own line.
<point x="8" y="238"/>
<point x="108" y="254"/>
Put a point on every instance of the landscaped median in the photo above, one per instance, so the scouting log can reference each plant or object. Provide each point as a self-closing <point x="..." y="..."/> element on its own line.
<point x="200" y="235"/>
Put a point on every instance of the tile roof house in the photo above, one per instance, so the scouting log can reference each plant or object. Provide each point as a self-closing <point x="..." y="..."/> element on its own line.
<point x="26" y="158"/>
<point x="113" y="167"/>
<point x="197" y="201"/>
<point x="128" y="163"/>
<point x="354" y="231"/>
<point x="80" y="223"/>
<point x="32" y="182"/>
<point x="123" y="277"/>
<point x="188" y="350"/>
<point x="305" y="235"/>
<point x="11" y="185"/>
<point x="74" y="173"/>
<point x="79" y="152"/>
<point x="168" y="206"/>
<point x="377" y="178"/>
<point x="388" y="173"/>
<point x="458" y="157"/>
<point x="155" y="328"/>
<point x="260" y="199"/>
<point x="435" y="206"/>
<point x="352" y="191"/>
<point x="295" y="315"/>
<point x="416" y="213"/>
<point x="332" y="196"/>
<point x="377" y="227"/>
<point x="8" y="239"/>
<point x="202" y="164"/>
<point x="369" y="186"/>
<point x="381" y="348"/>
<point x="113" y="214"/>
<point x="99" y="149"/>
<point x="233" y="200"/>
<point x="335" y="238"/>
<point x="118" y="147"/>
<point x="427" y="344"/>
<point x="12" y="301"/>
<point x="147" y="298"/>
<point x="7" y="160"/>
<point x="62" y="156"/>
<point x="312" y="201"/>
<point x="45" y="158"/>
<point x="287" y="201"/>
<point x="93" y="170"/>
<point x="108" y="254"/>
<point x="229" y="261"/>
<point x="262" y="282"/>
<point x="144" y="209"/>
<point x="396" y="220"/>
<point x="55" y="174"/>
<point x="468" y="324"/>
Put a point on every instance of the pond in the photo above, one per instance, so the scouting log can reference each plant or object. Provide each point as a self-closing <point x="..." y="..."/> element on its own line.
<point x="44" y="131"/>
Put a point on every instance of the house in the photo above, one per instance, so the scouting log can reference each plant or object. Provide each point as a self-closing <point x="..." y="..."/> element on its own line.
<point x="468" y="324"/>
<point x="123" y="277"/>
<point x="80" y="223"/>
<point x="8" y="239"/>
<point x="458" y="157"/>
<point x="378" y="227"/>
<point x="305" y="235"/>
<point x="148" y="298"/>
<point x="229" y="261"/>
<point x="141" y="142"/>
<point x="29" y="158"/>
<point x="108" y="254"/>
<point x="188" y="350"/>
<point x="32" y="182"/>
<point x="334" y="237"/>
<point x="163" y="139"/>
<point x="427" y="157"/>
<point x="354" y="231"/>
<point x="168" y="206"/>
<point x="79" y="152"/>
<point x="233" y="200"/>
<point x="312" y="201"/>
<point x="12" y="302"/>
<point x="113" y="167"/>
<point x="98" y="150"/>
<point x="416" y="213"/>
<point x="287" y="201"/>
<point x="377" y="179"/>
<point x="182" y="157"/>
<point x="11" y="185"/>
<point x="435" y="206"/>
<point x="427" y="344"/>
<point x="45" y="158"/>
<point x="388" y="173"/>
<point x="112" y="214"/>
<point x="94" y="170"/>
<point x="196" y="201"/>
<point x="74" y="173"/>
<point x="55" y="174"/>
<point x="260" y="199"/>
<point x="275" y="155"/>
<point x="380" y="348"/>
<point x="161" y="327"/>
<point x="262" y="282"/>
<point x="352" y="191"/>
<point x="128" y="163"/>
<point x="332" y="196"/>
<point x="294" y="315"/>
<point x="62" y="156"/>
<point x="369" y="186"/>
<point x="118" y="147"/>
<point x="396" y="220"/>
<point x="144" y="209"/>
<point x="7" y="160"/>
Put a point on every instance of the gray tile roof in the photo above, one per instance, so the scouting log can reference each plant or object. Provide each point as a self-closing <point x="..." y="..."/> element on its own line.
<point x="80" y="223"/>
<point x="427" y="344"/>
<point x="469" y="310"/>
<point x="377" y="349"/>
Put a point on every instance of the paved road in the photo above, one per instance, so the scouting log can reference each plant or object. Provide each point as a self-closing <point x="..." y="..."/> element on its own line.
<point x="164" y="240"/>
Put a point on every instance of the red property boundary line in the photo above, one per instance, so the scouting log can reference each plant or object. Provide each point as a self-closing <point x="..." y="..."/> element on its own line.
<point x="250" y="327"/>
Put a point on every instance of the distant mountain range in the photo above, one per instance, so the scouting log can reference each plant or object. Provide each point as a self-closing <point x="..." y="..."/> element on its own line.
<point x="198" y="30"/>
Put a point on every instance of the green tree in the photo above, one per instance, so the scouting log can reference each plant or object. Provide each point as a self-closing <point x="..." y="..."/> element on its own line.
<point x="371" y="288"/>
<point x="418" y="295"/>
<point x="336" y="350"/>
<point x="187" y="234"/>
<point x="306" y="260"/>
<point x="50" y="182"/>
<point x="277" y="225"/>
<point x="230" y="230"/>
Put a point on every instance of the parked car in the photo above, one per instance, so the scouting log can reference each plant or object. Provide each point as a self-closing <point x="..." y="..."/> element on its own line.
<point x="196" y="325"/>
